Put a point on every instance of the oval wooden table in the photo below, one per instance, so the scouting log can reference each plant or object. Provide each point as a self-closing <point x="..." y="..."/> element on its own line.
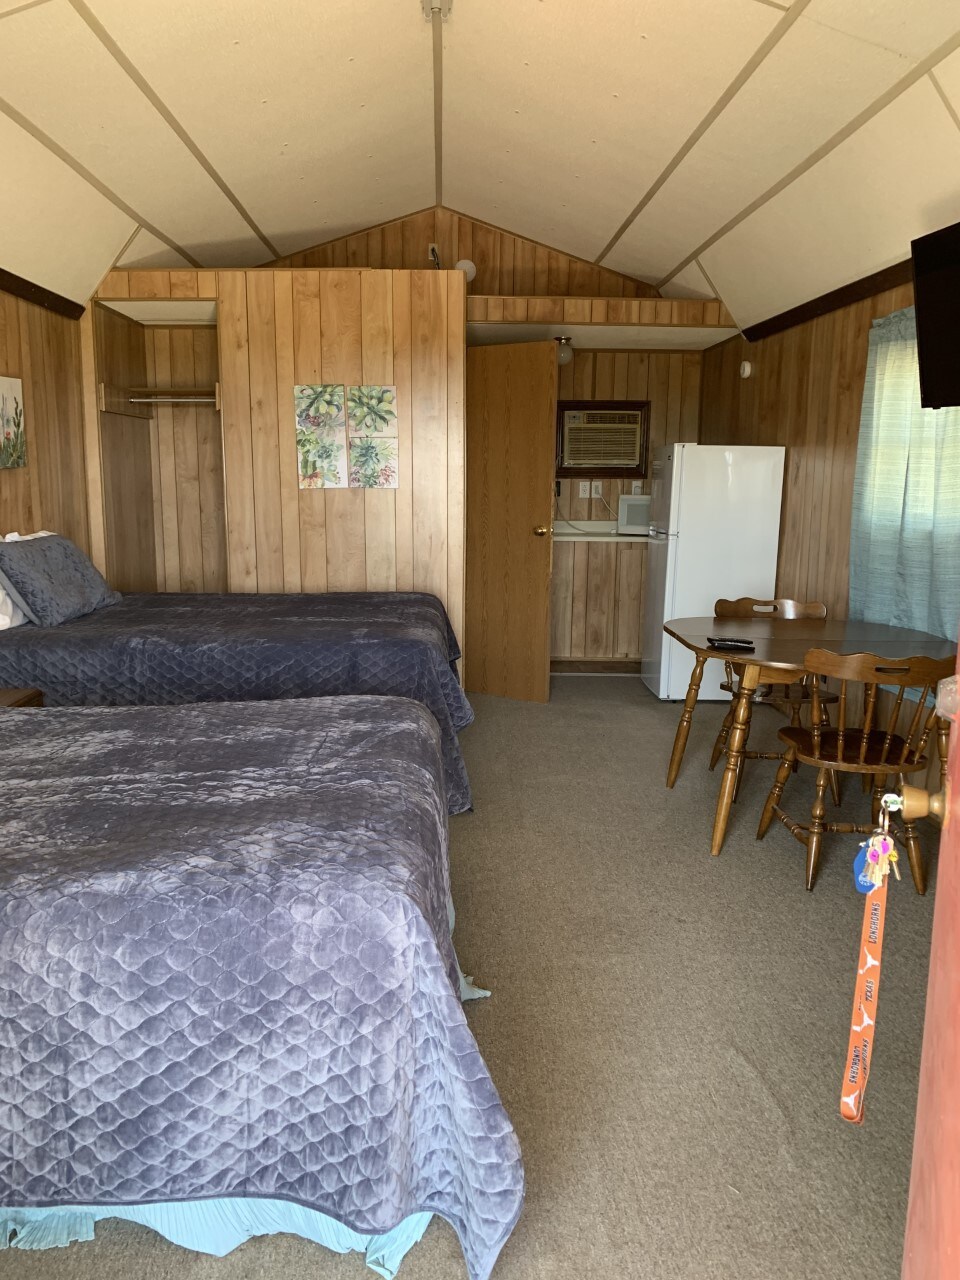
<point x="780" y="648"/>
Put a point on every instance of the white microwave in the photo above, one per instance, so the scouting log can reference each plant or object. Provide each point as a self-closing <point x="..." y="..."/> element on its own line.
<point x="633" y="515"/>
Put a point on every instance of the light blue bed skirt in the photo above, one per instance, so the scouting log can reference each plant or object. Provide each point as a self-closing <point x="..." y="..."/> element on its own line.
<point x="212" y="1226"/>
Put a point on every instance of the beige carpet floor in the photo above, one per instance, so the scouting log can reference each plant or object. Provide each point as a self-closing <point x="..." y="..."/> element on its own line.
<point x="667" y="1030"/>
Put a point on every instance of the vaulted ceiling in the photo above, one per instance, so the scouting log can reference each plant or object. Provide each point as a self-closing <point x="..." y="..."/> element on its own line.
<point x="764" y="150"/>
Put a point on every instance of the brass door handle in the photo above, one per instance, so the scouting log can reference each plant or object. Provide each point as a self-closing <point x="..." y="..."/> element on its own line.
<point x="541" y="530"/>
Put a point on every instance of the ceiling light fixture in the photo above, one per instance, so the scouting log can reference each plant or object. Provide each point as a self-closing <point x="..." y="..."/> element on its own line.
<point x="564" y="350"/>
<point x="468" y="268"/>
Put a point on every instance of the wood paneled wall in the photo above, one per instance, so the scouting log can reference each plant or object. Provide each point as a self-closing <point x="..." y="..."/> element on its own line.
<point x="125" y="451"/>
<point x="521" y="309"/>
<point x="187" y="462"/>
<point x="43" y="349"/>
<point x="597" y="587"/>
<point x="805" y="392"/>
<point x="506" y="264"/>
<point x="277" y="328"/>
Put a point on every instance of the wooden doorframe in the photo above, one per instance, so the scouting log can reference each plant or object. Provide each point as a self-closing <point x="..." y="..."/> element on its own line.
<point x="932" y="1242"/>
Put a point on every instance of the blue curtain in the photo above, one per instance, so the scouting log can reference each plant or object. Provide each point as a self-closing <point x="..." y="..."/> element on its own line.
<point x="905" y="535"/>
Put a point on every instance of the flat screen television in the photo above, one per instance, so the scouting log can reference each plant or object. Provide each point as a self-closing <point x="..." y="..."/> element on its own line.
<point x="936" y="280"/>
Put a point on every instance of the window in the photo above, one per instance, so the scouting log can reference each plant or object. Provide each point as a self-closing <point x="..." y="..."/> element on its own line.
<point x="905" y="527"/>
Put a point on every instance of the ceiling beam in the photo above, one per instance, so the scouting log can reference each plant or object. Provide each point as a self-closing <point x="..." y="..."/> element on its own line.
<point x="436" y="23"/>
<point x="731" y="91"/>
<point x="83" y="172"/>
<point x="108" y="42"/>
<point x="40" y="296"/>
<point x="917" y="72"/>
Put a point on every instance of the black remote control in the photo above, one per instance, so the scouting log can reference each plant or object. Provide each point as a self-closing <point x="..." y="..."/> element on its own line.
<point x="733" y="644"/>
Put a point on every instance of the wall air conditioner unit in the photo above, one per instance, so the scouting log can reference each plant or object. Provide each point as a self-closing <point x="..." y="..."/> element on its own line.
<point x="597" y="437"/>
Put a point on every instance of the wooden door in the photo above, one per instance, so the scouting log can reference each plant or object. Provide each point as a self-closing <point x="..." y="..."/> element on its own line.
<point x="511" y="451"/>
<point x="932" y="1246"/>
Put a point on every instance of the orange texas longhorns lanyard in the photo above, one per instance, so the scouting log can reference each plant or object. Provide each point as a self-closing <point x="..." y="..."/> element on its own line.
<point x="878" y="856"/>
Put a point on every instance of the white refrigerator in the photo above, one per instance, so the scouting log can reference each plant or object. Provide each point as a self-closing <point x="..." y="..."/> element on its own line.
<point x="715" y="532"/>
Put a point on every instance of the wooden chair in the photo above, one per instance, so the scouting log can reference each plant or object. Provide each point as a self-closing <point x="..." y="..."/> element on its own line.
<point x="789" y="696"/>
<point x="869" y="749"/>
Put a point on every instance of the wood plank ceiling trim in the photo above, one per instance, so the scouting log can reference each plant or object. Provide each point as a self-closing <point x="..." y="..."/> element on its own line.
<point x="917" y="72"/>
<point x="83" y="172"/>
<point x="746" y="71"/>
<point x="133" y="72"/>
<point x="39" y="296"/>
<point x="901" y="273"/>
<point x="681" y="312"/>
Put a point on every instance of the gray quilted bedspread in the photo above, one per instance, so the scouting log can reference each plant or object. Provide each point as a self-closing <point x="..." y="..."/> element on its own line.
<point x="226" y="968"/>
<point x="156" y="650"/>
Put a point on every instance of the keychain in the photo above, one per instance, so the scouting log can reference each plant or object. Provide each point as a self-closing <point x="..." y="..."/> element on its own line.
<point x="876" y="858"/>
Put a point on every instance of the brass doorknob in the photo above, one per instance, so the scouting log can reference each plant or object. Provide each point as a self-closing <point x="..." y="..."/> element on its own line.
<point x="541" y="530"/>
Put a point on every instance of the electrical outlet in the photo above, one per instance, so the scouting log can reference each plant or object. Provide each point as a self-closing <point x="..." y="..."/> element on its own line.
<point x="598" y="488"/>
<point x="584" y="488"/>
<point x="636" y="489"/>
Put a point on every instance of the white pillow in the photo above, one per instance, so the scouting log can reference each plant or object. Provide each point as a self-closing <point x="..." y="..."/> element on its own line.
<point x="11" y="615"/>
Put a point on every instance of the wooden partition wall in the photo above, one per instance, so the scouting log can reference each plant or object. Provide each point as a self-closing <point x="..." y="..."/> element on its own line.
<point x="805" y="392"/>
<point x="506" y="264"/>
<point x="278" y="328"/>
<point x="596" y="587"/>
<point x="43" y="350"/>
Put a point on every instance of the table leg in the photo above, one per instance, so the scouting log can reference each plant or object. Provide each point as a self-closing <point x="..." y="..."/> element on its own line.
<point x="683" y="728"/>
<point x="735" y="745"/>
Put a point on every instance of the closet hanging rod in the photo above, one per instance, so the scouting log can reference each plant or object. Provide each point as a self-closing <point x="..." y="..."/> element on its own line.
<point x="173" y="399"/>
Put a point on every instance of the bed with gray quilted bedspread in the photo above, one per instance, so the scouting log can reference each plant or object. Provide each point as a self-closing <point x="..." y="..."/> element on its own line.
<point x="226" y="968"/>
<point x="157" y="650"/>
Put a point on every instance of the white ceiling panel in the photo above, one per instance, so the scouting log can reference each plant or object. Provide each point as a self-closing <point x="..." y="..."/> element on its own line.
<point x="948" y="77"/>
<point x="165" y="311"/>
<point x="853" y="213"/>
<point x="808" y="87"/>
<point x="319" y="116"/>
<point x="689" y="283"/>
<point x="145" y="250"/>
<point x="558" y="116"/>
<point x="913" y="28"/>
<point x="602" y="337"/>
<point x="55" y="229"/>
<point x="107" y="124"/>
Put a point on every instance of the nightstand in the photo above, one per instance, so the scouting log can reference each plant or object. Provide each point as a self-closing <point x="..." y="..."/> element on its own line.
<point x="20" y="698"/>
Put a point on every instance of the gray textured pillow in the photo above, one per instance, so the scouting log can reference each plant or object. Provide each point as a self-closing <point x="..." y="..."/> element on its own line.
<point x="52" y="580"/>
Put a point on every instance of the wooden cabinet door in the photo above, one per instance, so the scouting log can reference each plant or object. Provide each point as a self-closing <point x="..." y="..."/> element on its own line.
<point x="932" y="1247"/>
<point x="511" y="450"/>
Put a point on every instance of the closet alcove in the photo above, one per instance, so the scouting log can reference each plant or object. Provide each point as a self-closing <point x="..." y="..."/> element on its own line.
<point x="161" y="444"/>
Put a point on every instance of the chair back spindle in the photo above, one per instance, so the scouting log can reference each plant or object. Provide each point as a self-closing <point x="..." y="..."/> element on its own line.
<point x="876" y="740"/>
